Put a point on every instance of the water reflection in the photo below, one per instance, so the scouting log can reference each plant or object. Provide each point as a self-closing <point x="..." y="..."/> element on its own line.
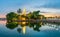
<point x="30" y="29"/>
<point x="11" y="25"/>
<point x="53" y="25"/>
<point x="22" y="27"/>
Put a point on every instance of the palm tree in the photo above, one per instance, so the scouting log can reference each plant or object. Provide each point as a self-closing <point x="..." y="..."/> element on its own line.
<point x="35" y="14"/>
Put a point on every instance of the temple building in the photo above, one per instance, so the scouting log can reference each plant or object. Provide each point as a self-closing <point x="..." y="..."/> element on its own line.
<point x="22" y="18"/>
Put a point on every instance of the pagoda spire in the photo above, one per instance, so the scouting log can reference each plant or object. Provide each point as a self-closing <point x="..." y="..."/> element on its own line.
<point x="24" y="12"/>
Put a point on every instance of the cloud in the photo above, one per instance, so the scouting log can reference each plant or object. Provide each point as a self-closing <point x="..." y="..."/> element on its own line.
<point x="48" y="12"/>
<point x="51" y="10"/>
<point x="47" y="6"/>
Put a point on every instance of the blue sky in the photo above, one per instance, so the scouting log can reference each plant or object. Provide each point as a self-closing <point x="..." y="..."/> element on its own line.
<point x="51" y="6"/>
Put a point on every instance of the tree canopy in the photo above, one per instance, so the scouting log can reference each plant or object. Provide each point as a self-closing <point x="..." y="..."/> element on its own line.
<point x="10" y="16"/>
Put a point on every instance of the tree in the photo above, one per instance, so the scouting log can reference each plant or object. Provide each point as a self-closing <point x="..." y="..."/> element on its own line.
<point x="29" y="15"/>
<point x="35" y="14"/>
<point x="19" y="11"/>
<point x="11" y="16"/>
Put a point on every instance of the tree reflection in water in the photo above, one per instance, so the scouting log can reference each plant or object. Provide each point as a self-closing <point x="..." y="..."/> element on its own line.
<point x="22" y="28"/>
<point x="11" y="25"/>
<point x="19" y="30"/>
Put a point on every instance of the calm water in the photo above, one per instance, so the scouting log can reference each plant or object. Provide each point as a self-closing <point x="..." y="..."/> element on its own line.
<point x="42" y="30"/>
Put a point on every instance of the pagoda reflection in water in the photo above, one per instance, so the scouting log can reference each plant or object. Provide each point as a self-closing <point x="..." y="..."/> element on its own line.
<point x="23" y="18"/>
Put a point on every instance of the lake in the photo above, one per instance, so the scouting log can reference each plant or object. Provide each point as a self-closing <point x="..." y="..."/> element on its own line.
<point x="32" y="30"/>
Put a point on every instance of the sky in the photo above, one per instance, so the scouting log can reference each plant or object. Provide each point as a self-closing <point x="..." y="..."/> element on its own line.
<point x="49" y="7"/>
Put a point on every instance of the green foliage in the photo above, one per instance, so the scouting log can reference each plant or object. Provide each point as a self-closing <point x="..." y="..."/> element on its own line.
<point x="11" y="25"/>
<point x="10" y="16"/>
<point x="35" y="26"/>
<point x="19" y="11"/>
<point x="35" y="15"/>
